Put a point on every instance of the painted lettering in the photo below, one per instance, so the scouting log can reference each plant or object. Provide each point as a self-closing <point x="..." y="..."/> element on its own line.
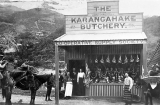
<point x="122" y="24"/>
<point x="73" y="20"/>
<point x="108" y="19"/>
<point x="114" y="18"/>
<point x="105" y="26"/>
<point x="79" y="20"/>
<point x="133" y="18"/>
<point x="102" y="8"/>
<point x="90" y="20"/>
<point x="116" y="25"/>
<point x="96" y="19"/>
<point x="120" y="18"/>
<point x="96" y="8"/>
<point x="82" y="26"/>
<point x="102" y="19"/>
<point x="110" y="25"/>
<point x="127" y="18"/>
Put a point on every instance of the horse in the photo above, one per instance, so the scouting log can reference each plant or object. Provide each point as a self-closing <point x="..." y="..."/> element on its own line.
<point x="7" y="83"/>
<point x="19" y="79"/>
<point x="39" y="80"/>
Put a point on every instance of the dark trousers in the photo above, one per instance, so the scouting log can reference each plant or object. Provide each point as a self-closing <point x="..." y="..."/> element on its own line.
<point x="148" y="96"/>
<point x="49" y="88"/>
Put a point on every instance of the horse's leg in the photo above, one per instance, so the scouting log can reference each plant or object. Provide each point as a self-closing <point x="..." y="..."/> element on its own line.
<point x="8" y="95"/>
<point x="31" y="96"/>
<point x="151" y="103"/>
<point x="34" y="96"/>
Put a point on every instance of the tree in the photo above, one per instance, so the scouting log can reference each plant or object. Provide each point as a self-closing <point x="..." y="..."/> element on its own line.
<point x="38" y="50"/>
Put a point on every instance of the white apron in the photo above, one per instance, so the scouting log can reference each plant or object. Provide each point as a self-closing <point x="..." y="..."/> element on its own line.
<point x="69" y="87"/>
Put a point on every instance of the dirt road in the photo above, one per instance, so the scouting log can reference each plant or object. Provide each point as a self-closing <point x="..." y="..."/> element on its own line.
<point x="24" y="100"/>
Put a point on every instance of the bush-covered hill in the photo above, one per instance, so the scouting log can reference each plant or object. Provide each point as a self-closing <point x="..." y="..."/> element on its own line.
<point x="152" y="30"/>
<point x="51" y="24"/>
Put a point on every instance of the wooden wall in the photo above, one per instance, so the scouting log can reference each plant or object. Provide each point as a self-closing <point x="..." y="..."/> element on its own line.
<point x="83" y="52"/>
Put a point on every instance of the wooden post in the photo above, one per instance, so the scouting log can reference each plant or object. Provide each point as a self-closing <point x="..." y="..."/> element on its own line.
<point x="57" y="75"/>
<point x="145" y="59"/>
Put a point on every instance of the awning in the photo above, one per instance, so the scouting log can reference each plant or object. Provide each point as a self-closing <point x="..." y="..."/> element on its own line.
<point x="101" y="39"/>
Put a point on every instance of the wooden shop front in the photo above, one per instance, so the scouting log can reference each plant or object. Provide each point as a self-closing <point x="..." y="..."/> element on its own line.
<point x="107" y="42"/>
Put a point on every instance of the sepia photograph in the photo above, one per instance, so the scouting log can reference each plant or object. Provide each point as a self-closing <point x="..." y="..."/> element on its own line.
<point x="79" y="52"/>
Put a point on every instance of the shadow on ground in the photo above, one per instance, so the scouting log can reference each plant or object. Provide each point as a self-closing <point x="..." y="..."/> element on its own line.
<point x="2" y="103"/>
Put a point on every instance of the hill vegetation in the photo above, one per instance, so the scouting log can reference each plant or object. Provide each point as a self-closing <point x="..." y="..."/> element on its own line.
<point x="35" y="30"/>
<point x="152" y="30"/>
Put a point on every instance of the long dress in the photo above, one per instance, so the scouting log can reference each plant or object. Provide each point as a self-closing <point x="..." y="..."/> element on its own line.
<point x="74" y="80"/>
<point x="80" y="80"/>
<point x="69" y="87"/>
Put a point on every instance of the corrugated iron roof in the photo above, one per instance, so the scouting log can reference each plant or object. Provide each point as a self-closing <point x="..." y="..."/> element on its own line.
<point x="115" y="36"/>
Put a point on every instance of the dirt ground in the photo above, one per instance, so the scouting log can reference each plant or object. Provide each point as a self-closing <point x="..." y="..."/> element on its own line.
<point x="40" y="100"/>
<point x="21" y="97"/>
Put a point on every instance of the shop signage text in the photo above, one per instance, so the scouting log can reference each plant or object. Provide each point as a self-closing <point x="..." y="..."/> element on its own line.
<point x="108" y="24"/>
<point x="104" y="42"/>
<point x="103" y="7"/>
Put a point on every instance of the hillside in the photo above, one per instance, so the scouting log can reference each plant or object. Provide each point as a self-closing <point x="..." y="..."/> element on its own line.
<point x="152" y="30"/>
<point x="9" y="9"/>
<point x="38" y="20"/>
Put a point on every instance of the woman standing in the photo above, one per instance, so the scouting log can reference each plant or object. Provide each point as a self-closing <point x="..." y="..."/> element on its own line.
<point x="69" y="87"/>
<point x="80" y="81"/>
<point x="128" y="84"/>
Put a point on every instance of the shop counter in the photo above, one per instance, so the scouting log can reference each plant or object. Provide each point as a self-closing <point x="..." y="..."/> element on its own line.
<point x="109" y="90"/>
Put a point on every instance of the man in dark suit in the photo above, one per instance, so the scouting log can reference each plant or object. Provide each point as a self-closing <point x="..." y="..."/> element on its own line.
<point x="50" y="84"/>
<point x="60" y="81"/>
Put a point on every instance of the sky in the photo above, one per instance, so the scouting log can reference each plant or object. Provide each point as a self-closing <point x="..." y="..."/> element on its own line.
<point x="78" y="7"/>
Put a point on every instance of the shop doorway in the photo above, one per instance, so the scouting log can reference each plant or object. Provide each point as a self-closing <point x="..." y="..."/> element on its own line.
<point x="78" y="89"/>
<point x="77" y="64"/>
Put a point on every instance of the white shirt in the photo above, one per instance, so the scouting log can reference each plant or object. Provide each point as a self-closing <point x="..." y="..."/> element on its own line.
<point x="128" y="81"/>
<point x="80" y="75"/>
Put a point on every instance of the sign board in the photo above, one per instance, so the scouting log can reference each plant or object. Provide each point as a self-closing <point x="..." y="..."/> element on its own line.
<point x="99" y="42"/>
<point x="104" y="24"/>
<point x="103" y="8"/>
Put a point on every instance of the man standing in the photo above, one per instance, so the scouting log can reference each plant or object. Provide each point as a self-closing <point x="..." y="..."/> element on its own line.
<point x="128" y="84"/>
<point x="50" y="84"/>
<point x="60" y="80"/>
<point x="74" y="80"/>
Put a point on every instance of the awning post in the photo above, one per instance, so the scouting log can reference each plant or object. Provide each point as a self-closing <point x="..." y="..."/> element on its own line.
<point x="145" y="59"/>
<point x="57" y="75"/>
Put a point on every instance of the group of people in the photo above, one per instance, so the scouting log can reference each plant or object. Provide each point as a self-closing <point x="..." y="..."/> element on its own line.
<point x="74" y="83"/>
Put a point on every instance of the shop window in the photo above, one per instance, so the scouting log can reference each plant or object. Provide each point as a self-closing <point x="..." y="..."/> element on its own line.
<point x="112" y="68"/>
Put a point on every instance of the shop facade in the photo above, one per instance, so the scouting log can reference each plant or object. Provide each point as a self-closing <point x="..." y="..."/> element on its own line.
<point x="107" y="42"/>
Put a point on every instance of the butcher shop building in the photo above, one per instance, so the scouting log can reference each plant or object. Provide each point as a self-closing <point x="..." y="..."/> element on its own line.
<point x="107" y="42"/>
